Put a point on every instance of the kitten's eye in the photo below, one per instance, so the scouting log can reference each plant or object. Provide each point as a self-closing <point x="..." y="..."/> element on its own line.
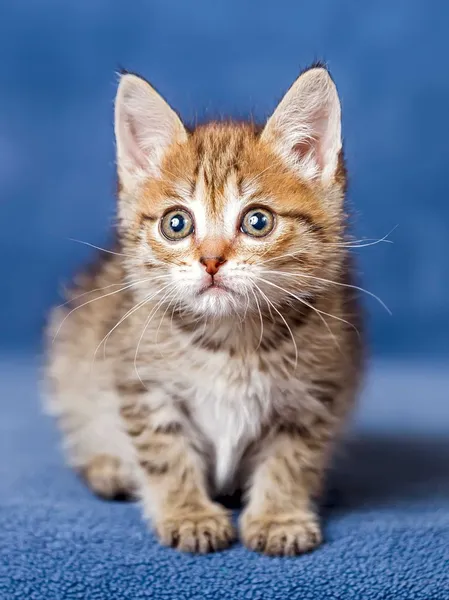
<point x="176" y="224"/>
<point x="257" y="222"/>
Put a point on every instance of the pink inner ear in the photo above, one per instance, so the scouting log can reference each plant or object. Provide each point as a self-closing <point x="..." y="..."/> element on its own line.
<point x="131" y="137"/>
<point x="311" y="146"/>
<point x="308" y="147"/>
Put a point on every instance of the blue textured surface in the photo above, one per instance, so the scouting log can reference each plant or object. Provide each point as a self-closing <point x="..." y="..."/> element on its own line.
<point x="387" y="532"/>
<point x="221" y="57"/>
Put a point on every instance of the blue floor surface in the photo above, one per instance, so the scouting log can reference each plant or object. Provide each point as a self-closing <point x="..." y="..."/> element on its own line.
<point x="386" y="524"/>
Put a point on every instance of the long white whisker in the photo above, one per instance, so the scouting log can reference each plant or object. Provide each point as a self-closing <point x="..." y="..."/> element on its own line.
<point x="268" y="301"/>
<point x="322" y="312"/>
<point x="125" y="316"/>
<point x="261" y="319"/>
<point x="361" y="245"/>
<point x="101" y="249"/>
<point x="326" y="324"/>
<point x="103" y="288"/>
<point x="237" y="314"/>
<point x="258" y="255"/>
<point x="349" y="244"/>
<point x="372" y="242"/>
<point x="175" y="305"/>
<point x="347" y="285"/>
<point x="89" y="292"/>
<point x="147" y="322"/>
<point x="163" y="315"/>
<point x="126" y="287"/>
<point x="247" y="305"/>
<point x="106" y="337"/>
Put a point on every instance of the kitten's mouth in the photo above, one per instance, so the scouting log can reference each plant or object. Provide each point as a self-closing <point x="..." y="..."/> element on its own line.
<point x="215" y="288"/>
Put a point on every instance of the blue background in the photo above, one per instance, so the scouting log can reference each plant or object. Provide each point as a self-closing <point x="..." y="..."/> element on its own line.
<point x="388" y="534"/>
<point x="227" y="57"/>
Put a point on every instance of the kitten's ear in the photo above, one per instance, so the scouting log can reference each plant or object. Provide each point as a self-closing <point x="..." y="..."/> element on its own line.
<point x="305" y="128"/>
<point x="145" y="126"/>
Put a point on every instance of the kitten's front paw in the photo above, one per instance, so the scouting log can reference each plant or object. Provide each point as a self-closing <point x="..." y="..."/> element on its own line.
<point x="279" y="534"/>
<point x="203" y="530"/>
<point x="108" y="477"/>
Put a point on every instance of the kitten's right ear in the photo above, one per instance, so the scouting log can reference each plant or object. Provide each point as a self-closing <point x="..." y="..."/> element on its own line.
<point x="145" y="126"/>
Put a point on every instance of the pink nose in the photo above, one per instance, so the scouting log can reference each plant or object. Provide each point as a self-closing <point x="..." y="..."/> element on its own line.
<point x="212" y="264"/>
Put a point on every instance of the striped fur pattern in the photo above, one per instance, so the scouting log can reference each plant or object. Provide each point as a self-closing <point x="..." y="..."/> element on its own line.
<point x="180" y="369"/>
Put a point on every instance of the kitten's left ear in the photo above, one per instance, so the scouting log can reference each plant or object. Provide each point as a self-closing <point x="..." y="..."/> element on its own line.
<point x="305" y="128"/>
<point x="145" y="127"/>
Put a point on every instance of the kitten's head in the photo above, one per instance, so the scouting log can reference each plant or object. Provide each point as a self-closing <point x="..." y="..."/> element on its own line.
<point x="228" y="218"/>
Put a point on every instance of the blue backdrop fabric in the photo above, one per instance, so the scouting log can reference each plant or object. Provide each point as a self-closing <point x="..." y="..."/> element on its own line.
<point x="386" y="524"/>
<point x="227" y="57"/>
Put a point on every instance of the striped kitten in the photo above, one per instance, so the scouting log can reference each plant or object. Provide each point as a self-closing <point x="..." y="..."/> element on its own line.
<point x="216" y="348"/>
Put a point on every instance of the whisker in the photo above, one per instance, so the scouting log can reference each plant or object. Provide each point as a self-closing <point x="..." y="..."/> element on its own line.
<point x="326" y="324"/>
<point x="102" y="288"/>
<point x="347" y="285"/>
<point x="126" y="287"/>
<point x="106" y="337"/>
<point x="162" y="318"/>
<point x="259" y="255"/>
<point x="261" y="319"/>
<point x="293" y="255"/>
<point x="355" y="244"/>
<point x="268" y="301"/>
<point x="322" y="312"/>
<point x="175" y="305"/>
<point x="147" y="322"/>
<point x="372" y="242"/>
<point x="101" y="249"/>
<point x="247" y="305"/>
<point x="89" y="292"/>
<point x="237" y="314"/>
<point x="127" y="314"/>
<point x="350" y="244"/>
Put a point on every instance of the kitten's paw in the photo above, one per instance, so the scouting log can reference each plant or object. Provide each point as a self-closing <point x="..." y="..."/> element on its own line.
<point x="203" y="530"/>
<point x="281" y="534"/>
<point x="108" y="477"/>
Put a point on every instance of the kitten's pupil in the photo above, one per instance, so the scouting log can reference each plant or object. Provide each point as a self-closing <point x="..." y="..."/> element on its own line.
<point x="177" y="223"/>
<point x="258" y="221"/>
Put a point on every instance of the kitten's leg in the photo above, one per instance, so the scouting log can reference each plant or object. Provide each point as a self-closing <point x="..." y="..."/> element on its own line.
<point x="110" y="477"/>
<point x="95" y="443"/>
<point x="287" y="474"/>
<point x="173" y="484"/>
<point x="83" y="398"/>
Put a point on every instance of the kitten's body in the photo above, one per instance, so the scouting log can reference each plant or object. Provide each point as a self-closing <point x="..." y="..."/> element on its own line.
<point x="200" y="390"/>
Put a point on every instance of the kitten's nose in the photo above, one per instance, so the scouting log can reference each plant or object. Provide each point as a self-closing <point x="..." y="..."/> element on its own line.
<point x="212" y="264"/>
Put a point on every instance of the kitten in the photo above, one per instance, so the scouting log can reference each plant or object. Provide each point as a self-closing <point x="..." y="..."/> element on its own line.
<point x="217" y="347"/>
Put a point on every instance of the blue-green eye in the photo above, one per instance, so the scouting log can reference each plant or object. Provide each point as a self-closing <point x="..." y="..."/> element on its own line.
<point x="257" y="222"/>
<point x="176" y="224"/>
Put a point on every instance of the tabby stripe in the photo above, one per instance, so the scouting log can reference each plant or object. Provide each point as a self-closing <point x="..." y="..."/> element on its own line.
<point x="304" y="218"/>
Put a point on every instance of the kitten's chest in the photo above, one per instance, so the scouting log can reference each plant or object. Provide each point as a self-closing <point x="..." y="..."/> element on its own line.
<point x="229" y="404"/>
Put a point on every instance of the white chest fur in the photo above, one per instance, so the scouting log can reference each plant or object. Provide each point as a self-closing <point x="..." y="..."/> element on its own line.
<point x="229" y="406"/>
